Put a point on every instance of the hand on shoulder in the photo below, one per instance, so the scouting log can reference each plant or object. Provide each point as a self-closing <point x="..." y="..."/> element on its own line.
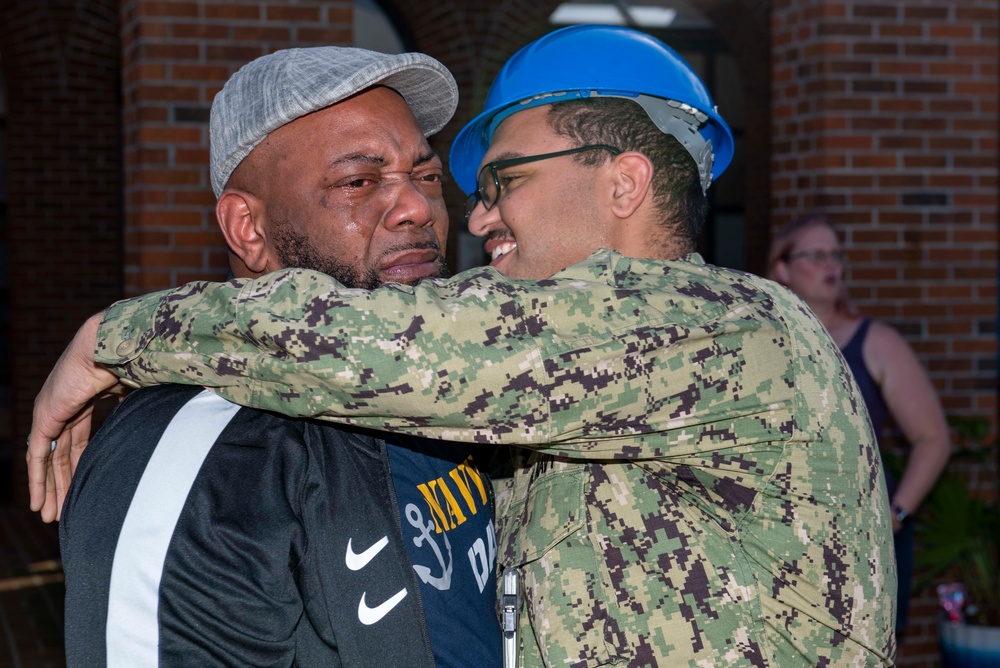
<point x="61" y="420"/>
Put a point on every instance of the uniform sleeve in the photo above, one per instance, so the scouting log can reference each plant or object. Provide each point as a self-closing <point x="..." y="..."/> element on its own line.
<point x="478" y="358"/>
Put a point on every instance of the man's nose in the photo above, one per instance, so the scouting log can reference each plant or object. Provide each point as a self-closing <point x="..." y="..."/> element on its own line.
<point x="481" y="221"/>
<point x="411" y="205"/>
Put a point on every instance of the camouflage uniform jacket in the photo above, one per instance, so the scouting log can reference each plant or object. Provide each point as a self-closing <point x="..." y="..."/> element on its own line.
<point x="703" y="487"/>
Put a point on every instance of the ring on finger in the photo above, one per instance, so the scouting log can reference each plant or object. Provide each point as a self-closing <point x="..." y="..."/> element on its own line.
<point x="52" y="445"/>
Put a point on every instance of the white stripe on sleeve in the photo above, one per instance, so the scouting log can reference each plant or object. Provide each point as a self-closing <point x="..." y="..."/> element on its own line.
<point x="133" y="628"/>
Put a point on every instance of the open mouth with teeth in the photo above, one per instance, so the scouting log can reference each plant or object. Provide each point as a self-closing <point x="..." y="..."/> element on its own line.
<point x="503" y="249"/>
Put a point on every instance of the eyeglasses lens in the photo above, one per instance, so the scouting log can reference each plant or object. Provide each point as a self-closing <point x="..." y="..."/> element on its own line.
<point x="820" y="256"/>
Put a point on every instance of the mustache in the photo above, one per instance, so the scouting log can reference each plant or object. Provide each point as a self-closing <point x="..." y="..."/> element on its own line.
<point x="499" y="235"/>
<point x="430" y="244"/>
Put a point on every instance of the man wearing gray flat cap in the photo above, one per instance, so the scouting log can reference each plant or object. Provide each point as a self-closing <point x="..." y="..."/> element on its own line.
<point x="199" y="533"/>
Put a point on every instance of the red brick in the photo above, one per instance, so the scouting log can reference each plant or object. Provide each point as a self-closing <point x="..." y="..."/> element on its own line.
<point x="235" y="53"/>
<point x="171" y="51"/>
<point x="924" y="161"/>
<point x="166" y="219"/>
<point x="974" y="236"/>
<point x="825" y="161"/>
<point x="148" y="9"/>
<point x="330" y="35"/>
<point x="976" y="200"/>
<point x="147" y="72"/>
<point x="874" y="273"/>
<point x="873" y="199"/>
<point x="204" y="198"/>
<point x="202" y="73"/>
<point x="951" y="69"/>
<point x="977" y="14"/>
<point x="145" y="156"/>
<point x="261" y="33"/>
<point x="949" y="292"/>
<point x="147" y="237"/>
<point x="191" y="156"/>
<point x="163" y="258"/>
<point x="875" y="49"/>
<point x="169" y="135"/>
<point x="875" y="11"/>
<point x="232" y="11"/>
<point x="903" y="105"/>
<point x="198" y="239"/>
<point x="148" y="280"/>
<point x="200" y="30"/>
<point x="182" y="277"/>
<point x="893" y="143"/>
<point x="874" y="161"/>
<point x="898" y="292"/>
<point x="924" y="124"/>
<point x="167" y="94"/>
<point x="147" y="197"/>
<point x="897" y="30"/>
<point x="925" y="13"/>
<point x="278" y="12"/>
<point x="148" y="114"/>
<point x="949" y="181"/>
<point x="973" y="50"/>
<point x="341" y="15"/>
<point x="146" y="30"/>
<point x="874" y="236"/>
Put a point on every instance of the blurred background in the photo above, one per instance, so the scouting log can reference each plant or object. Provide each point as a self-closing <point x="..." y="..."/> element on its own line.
<point x="881" y="114"/>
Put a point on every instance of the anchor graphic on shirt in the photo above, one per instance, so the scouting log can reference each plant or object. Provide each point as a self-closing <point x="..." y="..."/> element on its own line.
<point x="416" y="520"/>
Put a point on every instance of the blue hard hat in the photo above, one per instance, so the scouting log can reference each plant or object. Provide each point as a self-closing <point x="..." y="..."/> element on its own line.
<point x="586" y="61"/>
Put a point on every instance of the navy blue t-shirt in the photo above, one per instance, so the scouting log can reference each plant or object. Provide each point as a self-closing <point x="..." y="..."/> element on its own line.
<point x="445" y="504"/>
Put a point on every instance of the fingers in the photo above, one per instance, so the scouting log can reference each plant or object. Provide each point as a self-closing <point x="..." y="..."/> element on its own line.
<point x="61" y="474"/>
<point x="64" y="469"/>
<point x="51" y="467"/>
<point x="48" y="475"/>
<point x="37" y="457"/>
<point x="50" y="510"/>
<point x="62" y="413"/>
<point x="80" y="438"/>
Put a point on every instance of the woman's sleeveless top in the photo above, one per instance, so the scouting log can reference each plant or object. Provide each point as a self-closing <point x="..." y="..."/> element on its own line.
<point x="869" y="388"/>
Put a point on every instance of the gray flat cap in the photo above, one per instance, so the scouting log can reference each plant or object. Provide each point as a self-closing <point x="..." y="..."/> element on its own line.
<point x="273" y="90"/>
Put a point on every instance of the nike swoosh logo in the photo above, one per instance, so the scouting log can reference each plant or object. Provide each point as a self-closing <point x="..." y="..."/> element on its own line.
<point x="357" y="561"/>
<point x="369" y="616"/>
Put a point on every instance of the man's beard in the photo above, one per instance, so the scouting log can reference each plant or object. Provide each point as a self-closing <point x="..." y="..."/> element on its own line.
<point x="294" y="250"/>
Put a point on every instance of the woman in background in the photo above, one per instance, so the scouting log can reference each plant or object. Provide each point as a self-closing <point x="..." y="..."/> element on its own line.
<point x="806" y="257"/>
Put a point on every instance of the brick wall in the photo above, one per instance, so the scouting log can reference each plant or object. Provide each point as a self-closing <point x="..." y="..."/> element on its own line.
<point x="61" y="65"/>
<point x="175" y="56"/>
<point x="885" y="117"/>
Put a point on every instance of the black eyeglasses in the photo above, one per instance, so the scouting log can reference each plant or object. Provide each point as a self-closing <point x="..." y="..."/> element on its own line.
<point x="819" y="256"/>
<point x="488" y="182"/>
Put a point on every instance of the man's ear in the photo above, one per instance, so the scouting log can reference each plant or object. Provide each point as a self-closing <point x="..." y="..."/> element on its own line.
<point x="633" y="177"/>
<point x="241" y="220"/>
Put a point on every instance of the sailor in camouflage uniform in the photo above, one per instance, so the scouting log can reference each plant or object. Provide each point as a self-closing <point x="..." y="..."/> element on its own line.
<point x="699" y="483"/>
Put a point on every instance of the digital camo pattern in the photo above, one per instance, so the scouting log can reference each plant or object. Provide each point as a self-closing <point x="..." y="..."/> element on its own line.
<point x="704" y="488"/>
